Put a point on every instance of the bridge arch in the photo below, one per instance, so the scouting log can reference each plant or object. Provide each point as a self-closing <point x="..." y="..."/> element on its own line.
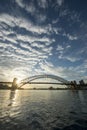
<point x="32" y="78"/>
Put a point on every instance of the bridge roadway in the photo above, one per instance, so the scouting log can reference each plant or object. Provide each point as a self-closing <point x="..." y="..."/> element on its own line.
<point x="5" y="82"/>
<point x="38" y="83"/>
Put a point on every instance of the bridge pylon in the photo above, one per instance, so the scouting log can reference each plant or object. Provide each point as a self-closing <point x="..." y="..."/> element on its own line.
<point x="14" y="84"/>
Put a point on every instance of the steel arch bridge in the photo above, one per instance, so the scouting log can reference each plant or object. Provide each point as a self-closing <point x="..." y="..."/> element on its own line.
<point x="30" y="80"/>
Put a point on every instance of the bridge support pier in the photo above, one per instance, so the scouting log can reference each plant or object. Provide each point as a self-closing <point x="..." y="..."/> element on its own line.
<point x="14" y="84"/>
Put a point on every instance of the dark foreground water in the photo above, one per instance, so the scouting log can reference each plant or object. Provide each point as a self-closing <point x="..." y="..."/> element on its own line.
<point x="43" y="110"/>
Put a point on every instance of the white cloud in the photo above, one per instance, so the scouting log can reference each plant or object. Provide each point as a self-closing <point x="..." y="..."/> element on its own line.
<point x="71" y="58"/>
<point x="52" y="30"/>
<point x="70" y="37"/>
<point x="64" y="12"/>
<point x="22" y="23"/>
<point x="75" y="16"/>
<point x="42" y="3"/>
<point x="39" y="51"/>
<point x="68" y="46"/>
<point x="30" y="8"/>
<point x="55" y="21"/>
<point x="27" y="38"/>
<point x="69" y="73"/>
<point x="32" y="50"/>
<point x="41" y="18"/>
<point x="64" y="53"/>
<point x="10" y="39"/>
<point x="38" y="45"/>
<point x="60" y="48"/>
<point x="8" y="19"/>
<point x="60" y="2"/>
<point x="20" y="3"/>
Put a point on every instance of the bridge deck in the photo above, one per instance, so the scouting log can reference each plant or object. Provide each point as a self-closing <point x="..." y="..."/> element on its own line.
<point x="5" y="82"/>
<point x="38" y="83"/>
<point x="47" y="83"/>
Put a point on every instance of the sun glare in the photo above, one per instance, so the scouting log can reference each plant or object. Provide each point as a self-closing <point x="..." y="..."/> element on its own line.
<point x="18" y="81"/>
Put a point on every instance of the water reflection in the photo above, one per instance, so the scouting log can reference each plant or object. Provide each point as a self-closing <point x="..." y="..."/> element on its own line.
<point x="12" y="97"/>
<point x="82" y="101"/>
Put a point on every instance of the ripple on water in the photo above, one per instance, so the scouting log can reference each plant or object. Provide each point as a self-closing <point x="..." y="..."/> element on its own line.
<point x="75" y="127"/>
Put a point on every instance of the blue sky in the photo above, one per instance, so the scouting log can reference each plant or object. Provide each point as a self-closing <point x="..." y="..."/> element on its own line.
<point x="43" y="37"/>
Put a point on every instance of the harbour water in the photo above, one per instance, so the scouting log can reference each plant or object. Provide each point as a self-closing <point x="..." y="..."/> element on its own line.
<point x="43" y="110"/>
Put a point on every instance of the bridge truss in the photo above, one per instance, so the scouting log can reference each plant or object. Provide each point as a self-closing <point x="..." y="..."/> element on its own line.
<point x="31" y="80"/>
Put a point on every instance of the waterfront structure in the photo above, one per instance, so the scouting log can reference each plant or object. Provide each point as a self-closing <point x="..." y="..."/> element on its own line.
<point x="81" y="82"/>
<point x="33" y="80"/>
<point x="14" y="84"/>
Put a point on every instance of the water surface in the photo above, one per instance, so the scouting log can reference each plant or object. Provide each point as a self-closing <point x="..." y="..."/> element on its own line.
<point x="43" y="110"/>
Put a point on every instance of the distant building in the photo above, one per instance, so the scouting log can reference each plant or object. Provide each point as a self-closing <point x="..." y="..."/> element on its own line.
<point x="81" y="82"/>
<point x="73" y="84"/>
<point x="51" y="88"/>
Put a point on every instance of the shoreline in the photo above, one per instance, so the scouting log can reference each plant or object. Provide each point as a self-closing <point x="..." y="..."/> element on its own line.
<point x="41" y="89"/>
